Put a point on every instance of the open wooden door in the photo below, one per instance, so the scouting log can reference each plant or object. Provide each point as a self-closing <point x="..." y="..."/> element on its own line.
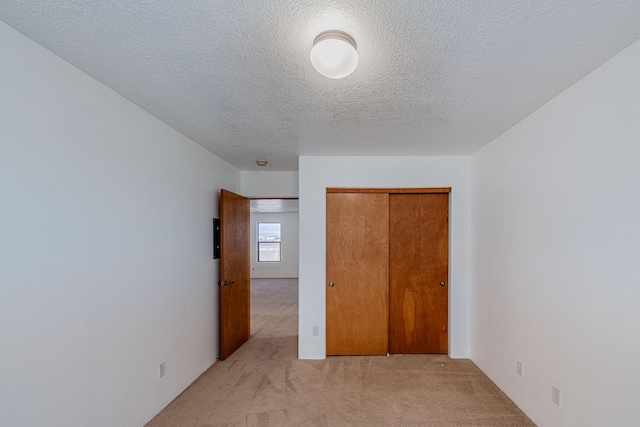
<point x="235" y="326"/>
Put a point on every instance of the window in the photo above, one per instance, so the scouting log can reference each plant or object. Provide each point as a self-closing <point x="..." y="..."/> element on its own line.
<point x="269" y="242"/>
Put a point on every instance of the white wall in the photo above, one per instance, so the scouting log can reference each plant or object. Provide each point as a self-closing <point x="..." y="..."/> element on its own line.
<point x="106" y="256"/>
<point x="288" y="265"/>
<point x="318" y="173"/>
<point x="556" y="251"/>
<point x="269" y="184"/>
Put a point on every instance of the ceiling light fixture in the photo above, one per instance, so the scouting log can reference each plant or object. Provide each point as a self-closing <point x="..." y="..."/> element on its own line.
<point x="334" y="54"/>
<point x="261" y="162"/>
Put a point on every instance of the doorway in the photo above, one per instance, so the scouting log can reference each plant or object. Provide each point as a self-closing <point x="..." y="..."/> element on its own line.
<point x="241" y="251"/>
<point x="274" y="229"/>
<point x="274" y="279"/>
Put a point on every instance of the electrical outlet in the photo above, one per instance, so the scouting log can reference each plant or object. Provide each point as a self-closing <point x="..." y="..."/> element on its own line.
<point x="520" y="368"/>
<point x="555" y="394"/>
<point x="315" y="331"/>
<point x="161" y="370"/>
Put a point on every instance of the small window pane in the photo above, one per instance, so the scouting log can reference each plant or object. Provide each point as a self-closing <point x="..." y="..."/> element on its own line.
<point x="269" y="232"/>
<point x="269" y="252"/>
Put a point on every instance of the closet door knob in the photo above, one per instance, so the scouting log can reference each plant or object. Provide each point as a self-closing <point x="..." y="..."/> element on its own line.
<point x="331" y="284"/>
<point x="442" y="283"/>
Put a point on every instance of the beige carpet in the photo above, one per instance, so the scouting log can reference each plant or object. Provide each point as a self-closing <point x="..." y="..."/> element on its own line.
<point x="264" y="384"/>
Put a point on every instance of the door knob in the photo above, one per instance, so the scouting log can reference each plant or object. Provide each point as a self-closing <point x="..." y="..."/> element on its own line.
<point x="331" y="284"/>
<point x="442" y="283"/>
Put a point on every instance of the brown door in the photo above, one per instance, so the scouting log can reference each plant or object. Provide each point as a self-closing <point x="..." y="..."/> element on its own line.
<point x="357" y="273"/>
<point x="418" y="273"/>
<point x="235" y="327"/>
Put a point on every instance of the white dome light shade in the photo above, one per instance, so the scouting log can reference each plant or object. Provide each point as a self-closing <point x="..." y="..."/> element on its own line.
<point x="334" y="54"/>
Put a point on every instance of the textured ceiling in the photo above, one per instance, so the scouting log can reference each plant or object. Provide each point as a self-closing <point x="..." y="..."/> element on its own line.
<point x="438" y="77"/>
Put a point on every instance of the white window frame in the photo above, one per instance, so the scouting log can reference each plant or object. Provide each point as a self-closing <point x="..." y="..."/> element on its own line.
<point x="260" y="243"/>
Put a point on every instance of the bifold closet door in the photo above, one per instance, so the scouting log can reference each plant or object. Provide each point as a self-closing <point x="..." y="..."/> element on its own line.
<point x="418" y="273"/>
<point x="357" y="273"/>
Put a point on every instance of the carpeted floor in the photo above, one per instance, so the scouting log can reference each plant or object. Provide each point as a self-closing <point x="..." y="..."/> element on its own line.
<point x="264" y="384"/>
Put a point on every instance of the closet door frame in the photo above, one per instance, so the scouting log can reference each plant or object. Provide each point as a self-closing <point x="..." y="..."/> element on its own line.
<point x="331" y="311"/>
<point x="391" y="190"/>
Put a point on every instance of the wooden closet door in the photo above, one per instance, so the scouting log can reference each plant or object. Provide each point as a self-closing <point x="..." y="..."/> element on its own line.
<point x="357" y="266"/>
<point x="418" y="273"/>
